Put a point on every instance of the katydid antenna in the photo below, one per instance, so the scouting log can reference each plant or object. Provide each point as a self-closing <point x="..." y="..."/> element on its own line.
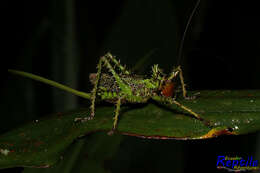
<point x="185" y="31"/>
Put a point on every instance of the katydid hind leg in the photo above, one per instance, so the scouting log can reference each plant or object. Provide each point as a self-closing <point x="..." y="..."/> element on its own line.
<point x="93" y="94"/>
<point x="117" y="111"/>
<point x="103" y="62"/>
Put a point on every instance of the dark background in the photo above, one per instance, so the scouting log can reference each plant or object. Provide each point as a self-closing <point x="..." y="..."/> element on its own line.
<point x="63" y="40"/>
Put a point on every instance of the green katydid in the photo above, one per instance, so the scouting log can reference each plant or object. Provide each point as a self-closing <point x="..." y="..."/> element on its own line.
<point x="120" y="86"/>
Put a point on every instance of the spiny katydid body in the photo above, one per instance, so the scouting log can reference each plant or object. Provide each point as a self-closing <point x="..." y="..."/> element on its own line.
<point x="120" y="86"/>
<point x="124" y="87"/>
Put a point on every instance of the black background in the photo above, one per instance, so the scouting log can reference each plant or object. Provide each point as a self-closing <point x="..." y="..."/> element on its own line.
<point x="63" y="40"/>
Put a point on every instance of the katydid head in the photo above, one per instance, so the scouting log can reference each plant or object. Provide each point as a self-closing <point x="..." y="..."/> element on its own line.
<point x="168" y="87"/>
<point x="166" y="83"/>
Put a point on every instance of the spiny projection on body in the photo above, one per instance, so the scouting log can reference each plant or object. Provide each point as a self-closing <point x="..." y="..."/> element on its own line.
<point x="124" y="87"/>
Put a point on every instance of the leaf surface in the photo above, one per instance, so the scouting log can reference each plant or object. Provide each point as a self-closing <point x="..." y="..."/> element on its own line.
<point x="41" y="143"/>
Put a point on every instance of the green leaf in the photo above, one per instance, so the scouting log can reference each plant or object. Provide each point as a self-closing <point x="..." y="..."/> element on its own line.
<point x="41" y="143"/>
